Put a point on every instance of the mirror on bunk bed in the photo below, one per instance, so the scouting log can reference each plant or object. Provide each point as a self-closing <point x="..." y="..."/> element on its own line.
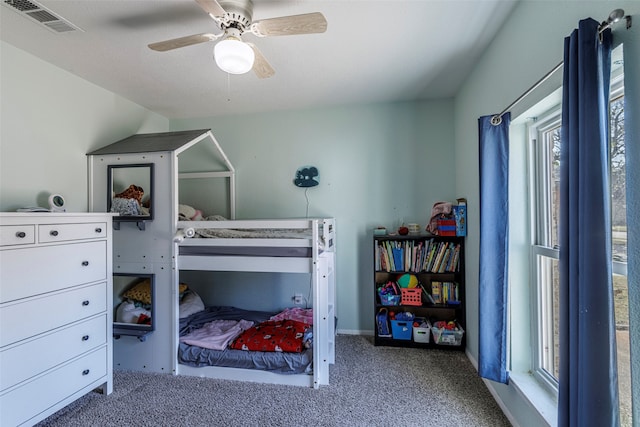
<point x="133" y="304"/>
<point x="130" y="192"/>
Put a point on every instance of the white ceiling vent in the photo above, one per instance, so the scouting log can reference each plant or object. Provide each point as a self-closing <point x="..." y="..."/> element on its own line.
<point x="41" y="15"/>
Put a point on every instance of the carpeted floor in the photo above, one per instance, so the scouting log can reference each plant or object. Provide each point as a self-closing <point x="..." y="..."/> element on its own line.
<point x="369" y="386"/>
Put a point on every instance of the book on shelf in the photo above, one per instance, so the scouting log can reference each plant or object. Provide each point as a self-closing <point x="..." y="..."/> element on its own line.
<point x="444" y="292"/>
<point x="442" y="248"/>
<point x="435" y="251"/>
<point x="417" y="256"/>
<point x="460" y="216"/>
<point x="456" y="257"/>
<point x="436" y="292"/>
<point x="389" y="255"/>
<point x="450" y="292"/>
<point x="443" y="260"/>
<point x="397" y="258"/>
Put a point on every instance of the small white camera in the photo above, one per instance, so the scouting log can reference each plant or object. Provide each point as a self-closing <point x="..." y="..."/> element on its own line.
<point x="56" y="203"/>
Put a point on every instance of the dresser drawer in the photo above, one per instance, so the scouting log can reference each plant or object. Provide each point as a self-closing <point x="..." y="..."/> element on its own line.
<point x="25" y="361"/>
<point x="34" y="316"/>
<point x="64" y="232"/>
<point x="36" y="270"/>
<point x="11" y="235"/>
<point x="33" y="397"/>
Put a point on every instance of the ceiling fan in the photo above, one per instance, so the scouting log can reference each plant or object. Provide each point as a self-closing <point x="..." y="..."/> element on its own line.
<point x="234" y="18"/>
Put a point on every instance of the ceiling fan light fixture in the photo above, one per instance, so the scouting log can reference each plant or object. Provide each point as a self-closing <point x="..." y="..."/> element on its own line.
<point x="233" y="56"/>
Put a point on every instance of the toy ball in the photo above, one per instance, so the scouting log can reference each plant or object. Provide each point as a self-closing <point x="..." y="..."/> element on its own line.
<point x="408" y="281"/>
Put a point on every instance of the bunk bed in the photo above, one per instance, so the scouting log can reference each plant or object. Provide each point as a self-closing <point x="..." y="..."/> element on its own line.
<point x="280" y="245"/>
<point x="156" y="244"/>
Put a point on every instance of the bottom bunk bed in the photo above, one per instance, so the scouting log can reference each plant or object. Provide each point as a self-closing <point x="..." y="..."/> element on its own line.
<point x="232" y="340"/>
<point x="307" y="367"/>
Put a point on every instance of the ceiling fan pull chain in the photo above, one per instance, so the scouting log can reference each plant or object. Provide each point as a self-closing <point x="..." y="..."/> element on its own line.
<point x="228" y="87"/>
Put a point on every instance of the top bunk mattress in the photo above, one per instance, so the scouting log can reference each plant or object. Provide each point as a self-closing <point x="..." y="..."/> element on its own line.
<point x="254" y="233"/>
<point x="275" y="238"/>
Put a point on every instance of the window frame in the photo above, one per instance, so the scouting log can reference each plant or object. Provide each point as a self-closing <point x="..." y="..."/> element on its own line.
<point x="541" y="240"/>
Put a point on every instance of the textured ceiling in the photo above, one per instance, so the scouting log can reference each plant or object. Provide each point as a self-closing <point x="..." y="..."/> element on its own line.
<point x="372" y="51"/>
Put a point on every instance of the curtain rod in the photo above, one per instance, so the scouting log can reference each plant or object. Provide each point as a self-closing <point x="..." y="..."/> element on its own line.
<point x="614" y="17"/>
<point x="497" y="119"/>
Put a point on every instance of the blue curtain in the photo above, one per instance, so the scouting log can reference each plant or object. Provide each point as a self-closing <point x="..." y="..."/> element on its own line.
<point x="494" y="228"/>
<point x="588" y="387"/>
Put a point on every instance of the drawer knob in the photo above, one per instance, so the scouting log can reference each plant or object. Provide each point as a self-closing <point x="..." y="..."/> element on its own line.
<point x="54" y="232"/>
<point x="85" y="338"/>
<point x="85" y="263"/>
<point x="21" y="234"/>
<point x="85" y="372"/>
<point x="85" y="302"/>
<point x="98" y="230"/>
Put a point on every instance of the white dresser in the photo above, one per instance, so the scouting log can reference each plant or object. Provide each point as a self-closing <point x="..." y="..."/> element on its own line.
<point x="55" y="312"/>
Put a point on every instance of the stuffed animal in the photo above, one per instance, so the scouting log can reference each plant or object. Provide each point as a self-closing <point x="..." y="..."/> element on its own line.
<point x="132" y="192"/>
<point x="189" y="213"/>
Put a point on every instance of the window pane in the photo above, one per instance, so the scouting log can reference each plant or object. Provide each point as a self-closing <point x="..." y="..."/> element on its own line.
<point x="618" y="188"/>
<point x="621" y="306"/>
<point x="549" y="202"/>
<point x="549" y="281"/>
<point x="555" y="189"/>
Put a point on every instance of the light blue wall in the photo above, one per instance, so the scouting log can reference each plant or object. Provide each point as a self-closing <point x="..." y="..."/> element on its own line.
<point x="529" y="45"/>
<point x="50" y="120"/>
<point x="379" y="165"/>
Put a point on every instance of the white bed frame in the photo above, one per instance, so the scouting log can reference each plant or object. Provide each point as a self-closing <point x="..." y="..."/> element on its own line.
<point x="320" y="263"/>
<point x="150" y="248"/>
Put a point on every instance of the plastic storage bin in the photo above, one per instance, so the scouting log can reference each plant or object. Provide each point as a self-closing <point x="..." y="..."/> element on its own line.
<point x="444" y="336"/>
<point x="422" y="333"/>
<point x="411" y="296"/>
<point x="389" y="299"/>
<point x="401" y="329"/>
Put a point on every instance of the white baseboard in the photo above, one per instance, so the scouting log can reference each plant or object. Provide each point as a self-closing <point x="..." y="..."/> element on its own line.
<point x="493" y="392"/>
<point x="531" y="393"/>
<point x="474" y="362"/>
<point x="354" y="332"/>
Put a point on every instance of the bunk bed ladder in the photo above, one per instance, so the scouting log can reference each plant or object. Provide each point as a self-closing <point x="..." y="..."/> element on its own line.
<point x="321" y="322"/>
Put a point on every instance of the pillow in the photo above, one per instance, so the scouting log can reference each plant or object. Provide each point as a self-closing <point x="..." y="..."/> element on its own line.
<point x="304" y="315"/>
<point x="128" y="207"/>
<point x="190" y="303"/>
<point x="142" y="291"/>
<point x="127" y="312"/>
<point x="272" y="335"/>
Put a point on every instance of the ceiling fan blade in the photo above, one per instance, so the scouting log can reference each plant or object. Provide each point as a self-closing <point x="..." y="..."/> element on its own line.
<point x="308" y="23"/>
<point x="212" y="7"/>
<point x="182" y="42"/>
<point x="261" y="66"/>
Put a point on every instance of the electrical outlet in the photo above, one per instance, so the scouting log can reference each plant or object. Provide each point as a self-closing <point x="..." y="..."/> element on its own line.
<point x="297" y="298"/>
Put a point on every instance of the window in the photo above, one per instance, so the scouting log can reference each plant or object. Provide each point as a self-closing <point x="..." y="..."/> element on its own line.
<point x="619" y="246"/>
<point x="544" y="137"/>
<point x="544" y="154"/>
